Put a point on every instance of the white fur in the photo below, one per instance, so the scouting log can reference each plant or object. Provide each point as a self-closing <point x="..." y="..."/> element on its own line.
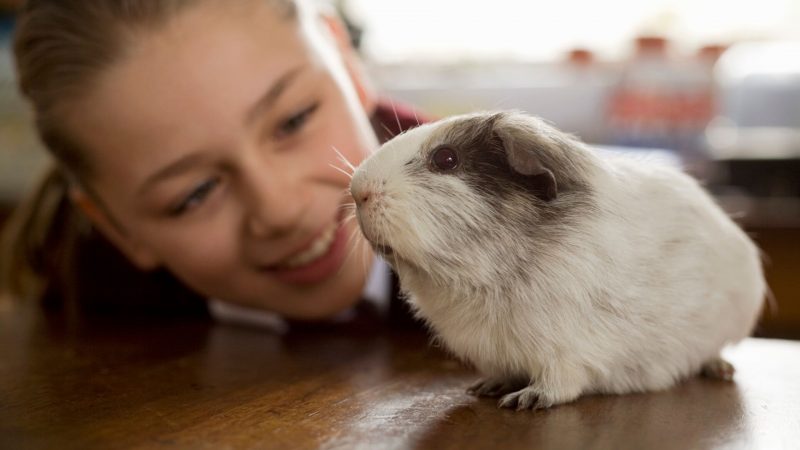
<point x="635" y="297"/>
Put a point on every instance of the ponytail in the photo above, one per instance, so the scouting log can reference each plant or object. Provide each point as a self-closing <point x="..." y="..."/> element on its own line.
<point x="38" y="243"/>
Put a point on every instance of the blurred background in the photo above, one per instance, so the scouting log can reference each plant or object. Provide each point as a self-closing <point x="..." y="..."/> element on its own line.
<point x="712" y="85"/>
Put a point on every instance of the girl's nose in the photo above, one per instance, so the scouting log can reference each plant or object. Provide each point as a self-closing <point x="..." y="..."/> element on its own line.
<point x="257" y="227"/>
<point x="273" y="209"/>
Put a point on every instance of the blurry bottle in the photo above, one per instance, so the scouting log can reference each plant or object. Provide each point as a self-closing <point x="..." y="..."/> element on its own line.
<point x="664" y="102"/>
<point x="580" y="58"/>
<point x="580" y="105"/>
<point x="695" y="103"/>
<point x="640" y="108"/>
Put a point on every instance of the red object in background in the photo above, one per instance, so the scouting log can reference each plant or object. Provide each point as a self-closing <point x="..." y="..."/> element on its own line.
<point x="580" y="57"/>
<point x="711" y="53"/>
<point x="651" y="45"/>
<point x="661" y="101"/>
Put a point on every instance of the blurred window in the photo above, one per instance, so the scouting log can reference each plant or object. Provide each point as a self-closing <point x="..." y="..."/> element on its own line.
<point x="451" y="30"/>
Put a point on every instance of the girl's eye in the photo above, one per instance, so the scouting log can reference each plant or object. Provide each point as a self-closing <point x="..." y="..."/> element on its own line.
<point x="294" y="123"/>
<point x="196" y="197"/>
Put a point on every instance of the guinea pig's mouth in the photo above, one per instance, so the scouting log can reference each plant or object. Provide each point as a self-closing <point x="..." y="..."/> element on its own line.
<point x="382" y="249"/>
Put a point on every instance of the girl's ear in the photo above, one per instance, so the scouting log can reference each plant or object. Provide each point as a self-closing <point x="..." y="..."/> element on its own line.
<point x="136" y="253"/>
<point x="352" y="62"/>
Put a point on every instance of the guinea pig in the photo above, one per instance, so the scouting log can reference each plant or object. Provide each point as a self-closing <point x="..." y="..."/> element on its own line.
<point x="557" y="271"/>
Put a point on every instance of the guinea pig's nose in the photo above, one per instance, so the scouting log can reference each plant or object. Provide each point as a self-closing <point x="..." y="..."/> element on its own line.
<point x="361" y="195"/>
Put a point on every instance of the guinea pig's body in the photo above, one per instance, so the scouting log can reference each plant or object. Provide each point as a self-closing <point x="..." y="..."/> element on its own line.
<point x="555" y="271"/>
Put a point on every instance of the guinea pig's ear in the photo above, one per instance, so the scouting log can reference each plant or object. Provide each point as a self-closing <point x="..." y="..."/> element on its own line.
<point x="520" y="141"/>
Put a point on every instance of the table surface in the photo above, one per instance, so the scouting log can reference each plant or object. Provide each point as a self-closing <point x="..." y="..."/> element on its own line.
<point x="193" y="383"/>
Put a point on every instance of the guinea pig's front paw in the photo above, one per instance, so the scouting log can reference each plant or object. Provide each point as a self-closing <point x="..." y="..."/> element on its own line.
<point x="718" y="369"/>
<point x="529" y="397"/>
<point x="537" y="396"/>
<point x="496" y="386"/>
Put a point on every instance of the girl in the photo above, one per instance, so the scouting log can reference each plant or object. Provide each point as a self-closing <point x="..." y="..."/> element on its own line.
<point x="197" y="137"/>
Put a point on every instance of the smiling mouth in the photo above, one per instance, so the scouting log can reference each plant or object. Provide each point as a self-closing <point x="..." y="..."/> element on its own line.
<point x="315" y="251"/>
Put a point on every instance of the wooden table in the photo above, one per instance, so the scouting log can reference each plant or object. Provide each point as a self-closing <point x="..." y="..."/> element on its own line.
<point x="195" y="384"/>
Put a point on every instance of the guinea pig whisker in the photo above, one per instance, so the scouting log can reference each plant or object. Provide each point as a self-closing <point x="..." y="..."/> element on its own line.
<point x="355" y="231"/>
<point x="388" y="130"/>
<point x="353" y="247"/>
<point x="415" y="116"/>
<point x="348" y="219"/>
<point x="350" y="205"/>
<point x="348" y="174"/>
<point x="351" y="216"/>
<point x="347" y="194"/>
<point x="344" y="159"/>
<point x="396" y="118"/>
<point x="382" y="246"/>
<point x="364" y="254"/>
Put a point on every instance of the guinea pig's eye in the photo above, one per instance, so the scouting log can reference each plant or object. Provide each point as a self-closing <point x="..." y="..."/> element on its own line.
<point x="444" y="159"/>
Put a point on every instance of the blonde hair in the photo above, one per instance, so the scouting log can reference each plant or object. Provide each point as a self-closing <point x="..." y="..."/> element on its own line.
<point x="61" y="47"/>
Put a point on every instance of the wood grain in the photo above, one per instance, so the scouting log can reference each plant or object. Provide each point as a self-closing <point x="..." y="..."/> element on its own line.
<point x="194" y="384"/>
<point x="781" y="255"/>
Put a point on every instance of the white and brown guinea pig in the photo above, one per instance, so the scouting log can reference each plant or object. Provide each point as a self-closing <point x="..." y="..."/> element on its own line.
<point x="554" y="270"/>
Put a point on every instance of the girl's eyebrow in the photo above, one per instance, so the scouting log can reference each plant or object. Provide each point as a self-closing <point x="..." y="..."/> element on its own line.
<point x="271" y="95"/>
<point x="180" y="165"/>
<point x="264" y="102"/>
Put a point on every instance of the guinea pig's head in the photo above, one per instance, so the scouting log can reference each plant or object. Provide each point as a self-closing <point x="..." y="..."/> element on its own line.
<point x="468" y="196"/>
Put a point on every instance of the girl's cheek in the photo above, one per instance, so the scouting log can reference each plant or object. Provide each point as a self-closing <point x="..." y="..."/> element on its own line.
<point x="204" y="244"/>
<point x="351" y="146"/>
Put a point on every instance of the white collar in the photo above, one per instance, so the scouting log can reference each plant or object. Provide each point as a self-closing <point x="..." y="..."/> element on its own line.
<point x="377" y="290"/>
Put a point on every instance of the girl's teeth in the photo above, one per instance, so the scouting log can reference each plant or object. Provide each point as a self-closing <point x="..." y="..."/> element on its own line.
<point x="317" y="249"/>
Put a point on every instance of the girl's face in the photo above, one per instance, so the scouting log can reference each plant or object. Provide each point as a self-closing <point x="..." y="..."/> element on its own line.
<point x="212" y="142"/>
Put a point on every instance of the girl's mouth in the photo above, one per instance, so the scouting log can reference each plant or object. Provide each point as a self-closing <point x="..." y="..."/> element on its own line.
<point x="318" y="248"/>
<point x="321" y="260"/>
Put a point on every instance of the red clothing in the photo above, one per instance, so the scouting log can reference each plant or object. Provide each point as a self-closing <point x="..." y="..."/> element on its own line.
<point x="392" y="118"/>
